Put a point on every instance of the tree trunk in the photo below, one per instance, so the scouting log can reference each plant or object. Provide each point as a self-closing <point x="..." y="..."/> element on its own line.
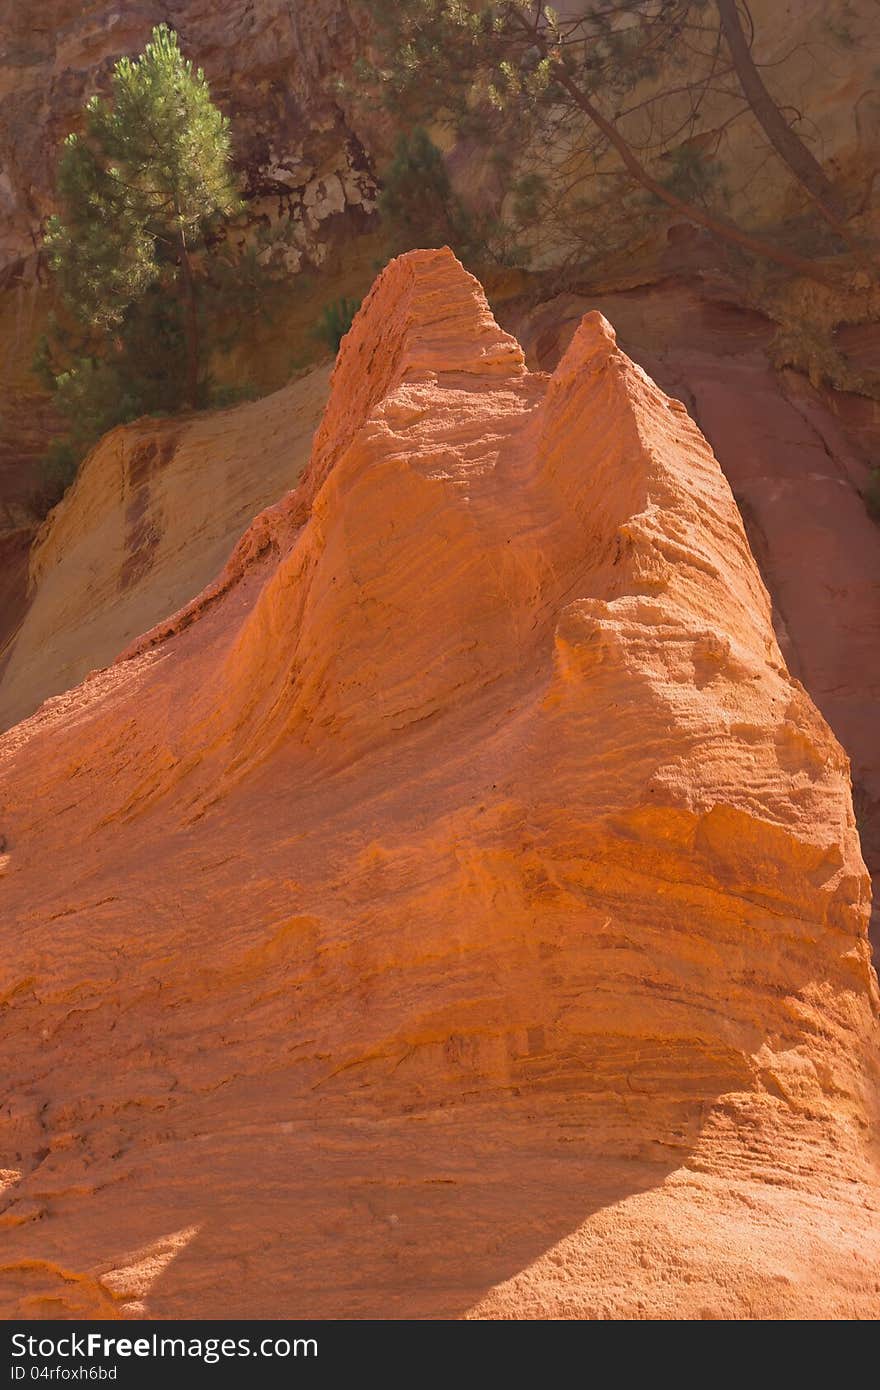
<point x="191" y="326"/>
<point x="719" y="227"/>
<point x="784" y="140"/>
<point x="723" y="230"/>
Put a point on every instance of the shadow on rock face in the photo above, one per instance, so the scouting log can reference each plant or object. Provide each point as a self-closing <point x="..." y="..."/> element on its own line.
<point x="457" y="909"/>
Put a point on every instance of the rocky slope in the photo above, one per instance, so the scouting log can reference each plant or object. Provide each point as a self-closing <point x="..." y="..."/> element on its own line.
<point x="798" y="461"/>
<point x="457" y="910"/>
<point x="795" y="458"/>
<point x="152" y="517"/>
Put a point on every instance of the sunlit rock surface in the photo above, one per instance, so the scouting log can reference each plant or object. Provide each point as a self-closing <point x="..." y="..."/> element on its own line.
<point x="457" y="910"/>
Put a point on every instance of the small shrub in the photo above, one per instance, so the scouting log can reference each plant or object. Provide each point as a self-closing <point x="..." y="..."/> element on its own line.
<point x="421" y="209"/>
<point x="417" y="201"/>
<point x="58" y="469"/>
<point x="335" y="321"/>
<point x="222" y="397"/>
<point x="694" y="175"/>
<point x="809" y="348"/>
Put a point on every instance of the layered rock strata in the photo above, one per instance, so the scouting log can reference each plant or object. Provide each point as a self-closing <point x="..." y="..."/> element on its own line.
<point x="457" y="910"/>
<point x="154" y="513"/>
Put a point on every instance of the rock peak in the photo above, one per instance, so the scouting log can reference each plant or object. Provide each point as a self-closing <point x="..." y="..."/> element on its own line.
<point x="467" y="845"/>
<point x="425" y="319"/>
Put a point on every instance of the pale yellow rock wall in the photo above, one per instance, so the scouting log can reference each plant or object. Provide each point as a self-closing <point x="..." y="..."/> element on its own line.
<point x="152" y="517"/>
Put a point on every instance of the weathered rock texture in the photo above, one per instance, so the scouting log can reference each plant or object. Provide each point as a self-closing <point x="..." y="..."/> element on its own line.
<point x="458" y="909"/>
<point x="270" y="64"/>
<point x="309" y="151"/>
<point x="274" y="66"/>
<point x="152" y="517"/>
<point x="798" y="464"/>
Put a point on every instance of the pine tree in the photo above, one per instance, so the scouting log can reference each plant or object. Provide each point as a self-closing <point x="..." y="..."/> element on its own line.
<point x="589" y="82"/>
<point x="417" y="201"/>
<point x="136" y="188"/>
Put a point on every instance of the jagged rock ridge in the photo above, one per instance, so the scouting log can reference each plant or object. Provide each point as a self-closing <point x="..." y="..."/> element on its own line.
<point x="458" y="908"/>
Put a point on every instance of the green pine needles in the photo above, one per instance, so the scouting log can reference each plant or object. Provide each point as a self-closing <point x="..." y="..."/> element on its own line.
<point x="335" y="320"/>
<point x="136" y="188"/>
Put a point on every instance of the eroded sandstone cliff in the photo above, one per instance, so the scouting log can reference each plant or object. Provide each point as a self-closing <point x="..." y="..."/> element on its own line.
<point x="796" y="458"/>
<point x="154" y="513"/>
<point x="458" y="908"/>
<point x="271" y="66"/>
<point x="303" y="170"/>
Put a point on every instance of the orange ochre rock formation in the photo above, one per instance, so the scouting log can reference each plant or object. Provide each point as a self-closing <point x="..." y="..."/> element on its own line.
<point x="457" y="910"/>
